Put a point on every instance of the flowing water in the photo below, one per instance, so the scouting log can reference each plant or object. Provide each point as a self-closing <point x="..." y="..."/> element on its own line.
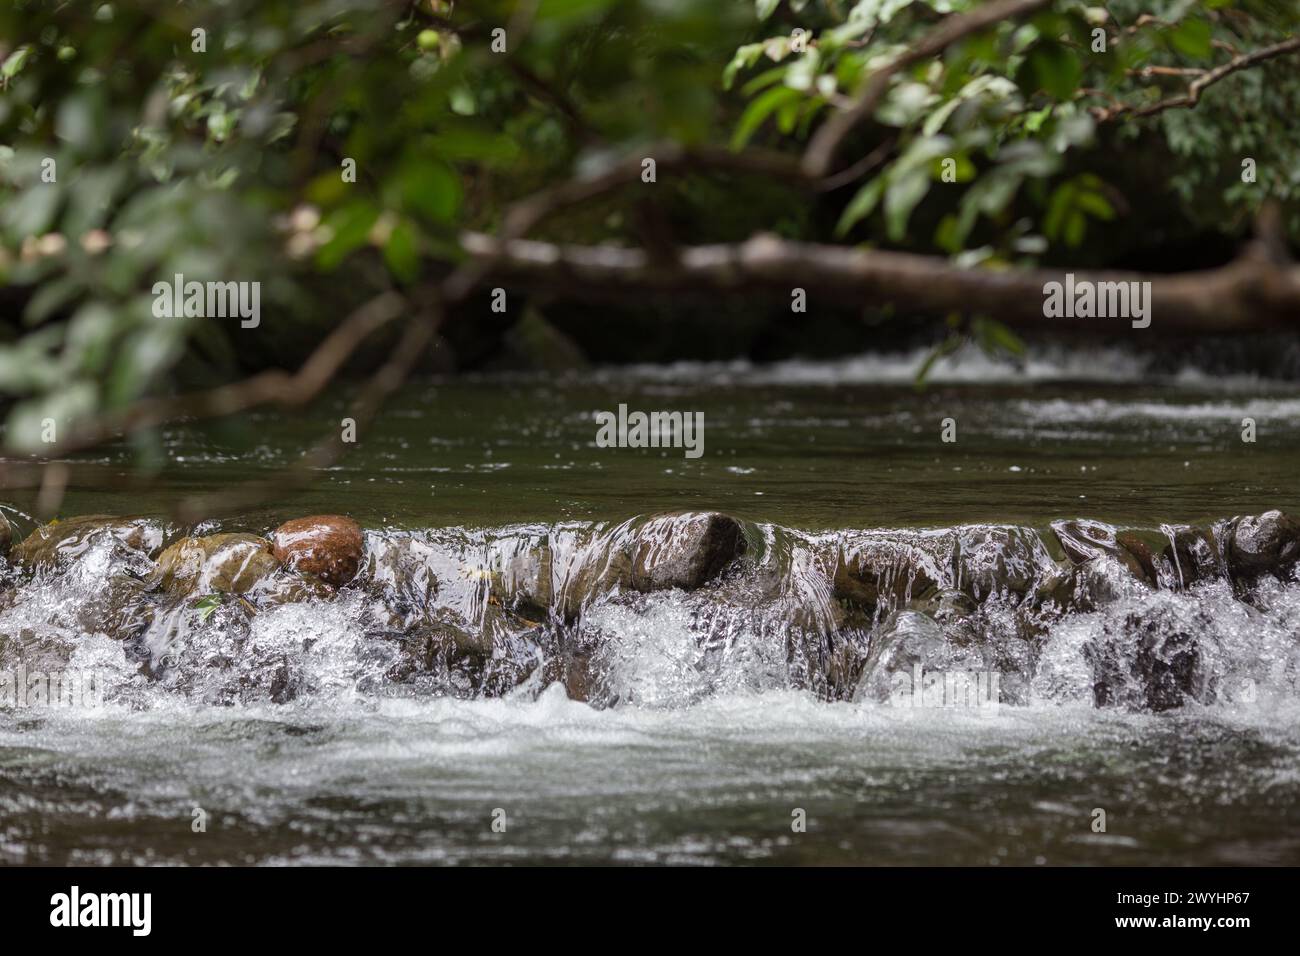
<point x="735" y="722"/>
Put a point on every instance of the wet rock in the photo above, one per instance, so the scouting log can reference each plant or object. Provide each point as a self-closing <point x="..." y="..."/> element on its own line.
<point x="401" y="571"/>
<point x="685" y="550"/>
<point x="884" y="574"/>
<point x="1141" y="547"/>
<point x="224" y="563"/>
<point x="61" y="541"/>
<point x="1095" y="583"/>
<point x="1084" y="541"/>
<point x="328" y="547"/>
<point x="521" y="579"/>
<point x="291" y="587"/>
<point x="6" y="535"/>
<point x="1192" y="555"/>
<point x="47" y="651"/>
<point x="1266" y="544"/>
<point x="945" y="604"/>
<point x="1056" y="591"/>
<point x="1148" y="660"/>
<point x="449" y="655"/>
<point x="578" y="674"/>
<point x="1007" y="562"/>
<point x="122" y="610"/>
<point x="907" y="643"/>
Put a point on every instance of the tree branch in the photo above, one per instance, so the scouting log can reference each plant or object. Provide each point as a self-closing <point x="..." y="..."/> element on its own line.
<point x="820" y="153"/>
<point x="269" y="387"/>
<point x="401" y="361"/>
<point x="1254" y="292"/>
<point x="527" y="214"/>
<point x="1206" y="79"/>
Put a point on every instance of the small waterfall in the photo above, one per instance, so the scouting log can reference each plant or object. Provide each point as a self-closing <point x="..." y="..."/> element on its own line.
<point x="667" y="610"/>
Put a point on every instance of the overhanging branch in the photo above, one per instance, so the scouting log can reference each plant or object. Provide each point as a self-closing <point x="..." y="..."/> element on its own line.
<point x="1204" y="80"/>
<point x="821" y="150"/>
<point x="1251" y="293"/>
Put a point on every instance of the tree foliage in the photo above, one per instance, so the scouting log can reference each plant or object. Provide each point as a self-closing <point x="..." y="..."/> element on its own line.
<point x="222" y="154"/>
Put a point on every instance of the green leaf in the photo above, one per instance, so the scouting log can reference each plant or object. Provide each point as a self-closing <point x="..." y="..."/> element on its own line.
<point x="861" y="205"/>
<point x="758" y="111"/>
<point x="994" y="338"/>
<point x="1096" y="205"/>
<point x="1193" y="38"/>
<point x="1055" y="69"/>
<point x="401" y="254"/>
<point x="430" y="189"/>
<point x="32" y="213"/>
<point x="901" y="198"/>
<point x="744" y="58"/>
<point x="949" y="345"/>
<point x="15" y="61"/>
<point x="350" y="228"/>
<point x="206" y="605"/>
<point x="465" y="143"/>
<point x="1076" y="225"/>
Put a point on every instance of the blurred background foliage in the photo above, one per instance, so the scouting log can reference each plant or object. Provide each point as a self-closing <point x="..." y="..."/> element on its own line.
<point x="227" y="163"/>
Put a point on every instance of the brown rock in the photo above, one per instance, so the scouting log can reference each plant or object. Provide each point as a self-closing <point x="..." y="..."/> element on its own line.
<point x="522" y="580"/>
<point x="1192" y="555"/>
<point x="875" y="572"/>
<point x="1084" y="541"/>
<point x="1008" y="561"/>
<point x="58" y="541"/>
<point x="326" y="546"/>
<point x="225" y="563"/>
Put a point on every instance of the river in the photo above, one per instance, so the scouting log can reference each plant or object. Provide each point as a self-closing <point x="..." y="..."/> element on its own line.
<point x="710" y="743"/>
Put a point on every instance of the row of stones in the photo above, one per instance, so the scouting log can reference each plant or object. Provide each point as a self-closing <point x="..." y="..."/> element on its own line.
<point x="322" y="551"/>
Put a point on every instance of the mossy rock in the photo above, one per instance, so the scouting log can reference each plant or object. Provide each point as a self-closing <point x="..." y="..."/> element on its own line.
<point x="60" y="541"/>
<point x="220" y="563"/>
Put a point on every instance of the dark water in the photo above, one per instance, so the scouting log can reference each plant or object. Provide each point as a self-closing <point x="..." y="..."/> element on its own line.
<point x="712" y="768"/>
<point x="808" y="445"/>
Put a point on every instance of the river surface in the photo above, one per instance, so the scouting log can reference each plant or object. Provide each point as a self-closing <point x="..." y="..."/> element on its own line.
<point x="705" y="758"/>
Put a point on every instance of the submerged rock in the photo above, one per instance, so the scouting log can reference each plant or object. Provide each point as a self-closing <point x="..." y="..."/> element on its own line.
<point x="1085" y="541"/>
<point x="1000" y="561"/>
<point x="328" y="547"/>
<point x="401" y="572"/>
<point x="1192" y="555"/>
<point x="884" y="574"/>
<point x="6" y="535"/>
<point x="447" y="654"/>
<point x="905" y="641"/>
<point x="224" y="563"/>
<point x="61" y="541"/>
<point x="1148" y="660"/>
<point x="121" y="610"/>
<point x="1267" y="544"/>
<point x="685" y="550"/>
<point x="521" y="579"/>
